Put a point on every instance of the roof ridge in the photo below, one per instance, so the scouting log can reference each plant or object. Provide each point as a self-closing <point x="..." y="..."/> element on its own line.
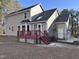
<point x="24" y="8"/>
<point x="52" y="9"/>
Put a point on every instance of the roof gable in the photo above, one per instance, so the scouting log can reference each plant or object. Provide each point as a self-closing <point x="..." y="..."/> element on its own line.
<point x="44" y="15"/>
<point x="28" y="8"/>
<point x="62" y="18"/>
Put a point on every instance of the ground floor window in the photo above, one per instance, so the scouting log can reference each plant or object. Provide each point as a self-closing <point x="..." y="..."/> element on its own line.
<point x="23" y="27"/>
<point x="3" y="31"/>
<point x="40" y="27"/>
<point x="27" y="27"/>
<point x="12" y="28"/>
<point x="18" y="28"/>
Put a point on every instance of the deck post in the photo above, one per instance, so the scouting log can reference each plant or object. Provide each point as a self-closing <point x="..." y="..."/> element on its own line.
<point x="18" y="33"/>
<point x="36" y="37"/>
<point x="39" y="36"/>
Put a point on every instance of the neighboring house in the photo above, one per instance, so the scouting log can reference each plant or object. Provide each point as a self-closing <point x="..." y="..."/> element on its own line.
<point x="62" y="26"/>
<point x="13" y="20"/>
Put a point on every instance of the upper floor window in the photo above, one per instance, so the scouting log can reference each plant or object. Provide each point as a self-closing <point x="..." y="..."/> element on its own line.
<point x="25" y="15"/>
<point x="39" y="18"/>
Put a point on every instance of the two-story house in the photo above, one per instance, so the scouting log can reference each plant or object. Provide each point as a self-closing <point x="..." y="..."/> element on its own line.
<point x="13" y="20"/>
<point x="34" y="25"/>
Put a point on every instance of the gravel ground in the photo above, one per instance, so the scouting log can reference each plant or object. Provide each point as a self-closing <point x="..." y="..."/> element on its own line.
<point x="14" y="50"/>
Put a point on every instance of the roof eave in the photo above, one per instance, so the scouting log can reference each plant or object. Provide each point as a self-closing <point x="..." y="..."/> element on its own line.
<point x="60" y="22"/>
<point x="38" y="21"/>
<point x="11" y="14"/>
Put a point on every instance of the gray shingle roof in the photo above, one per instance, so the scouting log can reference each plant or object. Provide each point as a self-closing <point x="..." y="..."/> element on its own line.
<point x="27" y="8"/>
<point x="44" y="15"/>
<point x="25" y="21"/>
<point x="62" y="18"/>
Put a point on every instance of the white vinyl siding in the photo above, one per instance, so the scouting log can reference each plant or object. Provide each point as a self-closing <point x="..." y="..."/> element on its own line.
<point x="51" y="19"/>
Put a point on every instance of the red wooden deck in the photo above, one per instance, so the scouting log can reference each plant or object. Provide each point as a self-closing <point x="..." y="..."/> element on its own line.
<point x="35" y="34"/>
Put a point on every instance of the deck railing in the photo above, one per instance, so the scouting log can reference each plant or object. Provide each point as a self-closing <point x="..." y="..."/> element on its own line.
<point x="34" y="34"/>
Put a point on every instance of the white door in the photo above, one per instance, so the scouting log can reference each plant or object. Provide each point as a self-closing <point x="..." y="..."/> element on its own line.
<point x="60" y="33"/>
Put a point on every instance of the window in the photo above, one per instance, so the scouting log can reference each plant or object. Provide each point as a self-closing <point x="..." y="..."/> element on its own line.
<point x="18" y="28"/>
<point x="3" y="31"/>
<point x="12" y="28"/>
<point x="3" y="23"/>
<point x="39" y="18"/>
<point x="39" y="27"/>
<point x="9" y="27"/>
<point x="23" y="27"/>
<point x="25" y="15"/>
<point x="27" y="27"/>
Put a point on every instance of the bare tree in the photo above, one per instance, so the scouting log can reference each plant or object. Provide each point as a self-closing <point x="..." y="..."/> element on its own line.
<point x="5" y="7"/>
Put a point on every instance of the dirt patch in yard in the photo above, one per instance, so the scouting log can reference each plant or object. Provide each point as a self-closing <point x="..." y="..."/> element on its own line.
<point x="8" y="38"/>
<point x="29" y="51"/>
